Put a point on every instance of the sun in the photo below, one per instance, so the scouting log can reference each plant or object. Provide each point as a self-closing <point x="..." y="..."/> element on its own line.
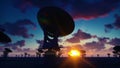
<point x="74" y="53"/>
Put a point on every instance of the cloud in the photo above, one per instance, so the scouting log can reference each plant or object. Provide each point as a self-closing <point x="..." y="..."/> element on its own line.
<point x="114" y="25"/>
<point x="117" y="22"/>
<point x="94" y="46"/>
<point x="1" y="48"/>
<point x="26" y="49"/>
<point x="19" y="28"/>
<point x="79" y="35"/>
<point x="20" y="43"/>
<point x="15" y="46"/>
<point x="82" y="35"/>
<point x="78" y="46"/>
<point x="77" y="8"/>
<point x="97" y="45"/>
<point x="115" y="42"/>
<point x="87" y="10"/>
<point x="73" y="40"/>
<point x="103" y="40"/>
<point x="108" y="27"/>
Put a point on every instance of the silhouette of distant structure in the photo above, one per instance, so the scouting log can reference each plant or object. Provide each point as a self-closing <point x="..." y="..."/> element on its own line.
<point x="116" y="51"/>
<point x="83" y="53"/>
<point x="29" y="55"/>
<point x="108" y="54"/>
<point x="98" y="55"/>
<point x="25" y="54"/>
<point x="21" y="55"/>
<point x="59" y="54"/>
<point x="4" y="39"/>
<point x="38" y="54"/>
<point x="6" y="52"/>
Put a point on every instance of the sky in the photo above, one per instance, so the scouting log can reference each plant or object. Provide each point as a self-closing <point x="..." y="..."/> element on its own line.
<point x="97" y="24"/>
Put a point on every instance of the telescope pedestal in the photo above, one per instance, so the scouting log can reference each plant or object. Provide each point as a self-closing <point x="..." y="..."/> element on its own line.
<point x="50" y="53"/>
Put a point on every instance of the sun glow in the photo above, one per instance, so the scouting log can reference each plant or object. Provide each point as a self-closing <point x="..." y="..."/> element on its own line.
<point x="74" y="53"/>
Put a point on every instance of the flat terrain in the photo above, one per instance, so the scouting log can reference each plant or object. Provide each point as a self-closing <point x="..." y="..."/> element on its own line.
<point x="33" y="62"/>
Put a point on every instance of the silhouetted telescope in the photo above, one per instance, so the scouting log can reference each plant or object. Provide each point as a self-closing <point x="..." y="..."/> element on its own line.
<point x="6" y="52"/>
<point x="55" y="22"/>
<point x="3" y="37"/>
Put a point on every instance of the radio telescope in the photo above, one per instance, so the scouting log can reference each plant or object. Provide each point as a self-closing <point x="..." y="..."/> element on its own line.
<point x="55" y="22"/>
<point x="3" y="37"/>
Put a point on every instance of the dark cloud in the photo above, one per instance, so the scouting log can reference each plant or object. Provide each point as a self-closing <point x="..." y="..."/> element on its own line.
<point x="73" y="40"/>
<point x="23" y="5"/>
<point x="117" y="22"/>
<point x="19" y="28"/>
<point x="99" y="45"/>
<point x="15" y="46"/>
<point x="77" y="8"/>
<point x="94" y="46"/>
<point x="26" y="49"/>
<point x="93" y="10"/>
<point x="103" y="40"/>
<point x="109" y="26"/>
<point x="79" y="35"/>
<point x="82" y="35"/>
<point x="115" y="42"/>
<point x="114" y="25"/>
<point x="1" y="48"/>
<point x="20" y="43"/>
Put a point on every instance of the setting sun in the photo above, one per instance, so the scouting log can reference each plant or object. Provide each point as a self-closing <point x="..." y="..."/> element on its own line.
<point x="74" y="53"/>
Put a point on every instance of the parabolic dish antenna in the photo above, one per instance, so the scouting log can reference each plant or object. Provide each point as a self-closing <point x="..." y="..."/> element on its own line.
<point x="8" y="50"/>
<point x="55" y="21"/>
<point x="4" y="38"/>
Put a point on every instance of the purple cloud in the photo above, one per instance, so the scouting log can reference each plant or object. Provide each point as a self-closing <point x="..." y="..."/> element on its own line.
<point x="94" y="46"/>
<point x="73" y="40"/>
<point x="79" y="35"/>
<point x="115" y="42"/>
<point x="19" y="28"/>
<point x="103" y="40"/>
<point x="82" y="35"/>
<point x="26" y="49"/>
<point x="15" y="46"/>
<point x="1" y="48"/>
<point x="99" y="45"/>
<point x="77" y="8"/>
<point x="20" y="43"/>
